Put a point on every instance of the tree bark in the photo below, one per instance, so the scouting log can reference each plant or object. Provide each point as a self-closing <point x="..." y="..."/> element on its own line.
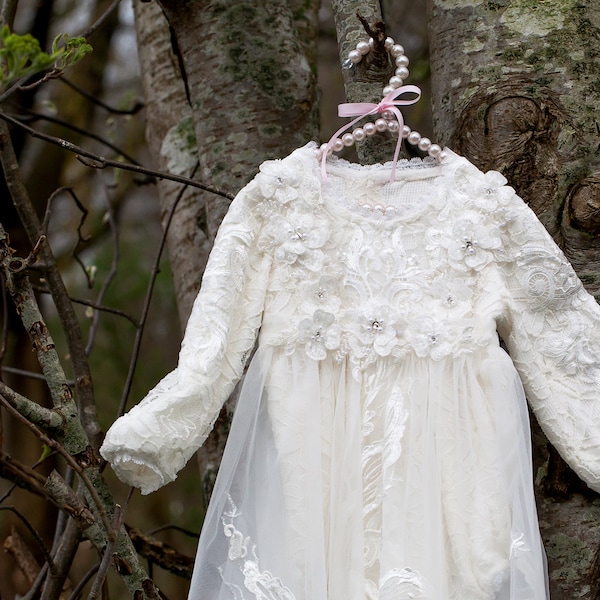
<point x="515" y="88"/>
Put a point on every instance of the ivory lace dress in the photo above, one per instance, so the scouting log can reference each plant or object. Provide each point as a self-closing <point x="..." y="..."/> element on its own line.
<point x="380" y="446"/>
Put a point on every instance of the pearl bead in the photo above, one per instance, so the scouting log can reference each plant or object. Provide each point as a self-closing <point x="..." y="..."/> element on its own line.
<point x="424" y="144"/>
<point x="363" y="48"/>
<point x="388" y="89"/>
<point x="390" y="210"/>
<point x="359" y="134"/>
<point x="402" y="72"/>
<point x="394" y="126"/>
<point x="395" y="81"/>
<point x="369" y="128"/>
<point x="337" y="145"/>
<point x="414" y="137"/>
<point x="434" y="150"/>
<point x="355" y="56"/>
<point x="405" y="131"/>
<point x="389" y="42"/>
<point x="367" y="207"/>
<point x="402" y="61"/>
<point x="381" y="124"/>
<point x="396" y="50"/>
<point x="322" y="148"/>
<point x="387" y="115"/>
<point x="347" y="139"/>
<point x="371" y="42"/>
<point x="378" y="207"/>
<point x="443" y="155"/>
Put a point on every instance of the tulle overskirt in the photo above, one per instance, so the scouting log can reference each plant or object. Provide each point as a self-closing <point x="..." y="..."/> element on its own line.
<point x="395" y="481"/>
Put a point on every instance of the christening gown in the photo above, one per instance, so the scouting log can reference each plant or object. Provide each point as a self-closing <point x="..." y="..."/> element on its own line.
<point x="380" y="447"/>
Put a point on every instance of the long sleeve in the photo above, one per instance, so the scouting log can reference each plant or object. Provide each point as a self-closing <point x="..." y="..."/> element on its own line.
<point x="150" y="444"/>
<point x="552" y="331"/>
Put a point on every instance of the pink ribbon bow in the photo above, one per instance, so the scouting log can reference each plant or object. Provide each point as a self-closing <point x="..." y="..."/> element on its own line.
<point x="360" y="110"/>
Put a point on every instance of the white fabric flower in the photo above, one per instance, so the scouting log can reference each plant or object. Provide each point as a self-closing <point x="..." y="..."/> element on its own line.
<point x="471" y="243"/>
<point x="454" y="295"/>
<point x="375" y="330"/>
<point x="432" y="338"/>
<point x="319" y="334"/>
<point x="322" y="295"/>
<point x="278" y="183"/>
<point x="486" y="190"/>
<point x="300" y="241"/>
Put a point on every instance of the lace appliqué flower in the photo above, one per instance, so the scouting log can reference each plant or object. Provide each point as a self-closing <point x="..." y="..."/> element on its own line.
<point x="279" y="184"/>
<point x="470" y="245"/>
<point x="300" y="241"/>
<point x="374" y="331"/>
<point x="432" y="339"/>
<point x="454" y="295"/>
<point x="323" y="295"/>
<point x="319" y="334"/>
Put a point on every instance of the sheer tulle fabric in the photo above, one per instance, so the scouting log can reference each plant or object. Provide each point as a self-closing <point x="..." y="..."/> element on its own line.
<point x="410" y="481"/>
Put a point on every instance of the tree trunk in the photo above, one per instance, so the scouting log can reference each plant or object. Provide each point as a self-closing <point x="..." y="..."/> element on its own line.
<point x="515" y="88"/>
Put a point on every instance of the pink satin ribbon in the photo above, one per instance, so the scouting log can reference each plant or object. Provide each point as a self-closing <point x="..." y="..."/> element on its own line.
<point x="360" y="110"/>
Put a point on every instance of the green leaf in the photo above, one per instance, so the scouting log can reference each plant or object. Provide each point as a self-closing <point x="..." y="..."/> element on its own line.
<point x="21" y="55"/>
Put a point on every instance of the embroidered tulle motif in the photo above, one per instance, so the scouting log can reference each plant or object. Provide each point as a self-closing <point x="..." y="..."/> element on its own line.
<point x="263" y="585"/>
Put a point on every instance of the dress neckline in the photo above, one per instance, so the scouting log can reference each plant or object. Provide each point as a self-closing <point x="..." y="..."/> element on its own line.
<point x="375" y="175"/>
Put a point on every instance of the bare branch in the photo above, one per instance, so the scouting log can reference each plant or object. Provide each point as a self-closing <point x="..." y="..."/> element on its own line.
<point x="23" y="476"/>
<point x="101" y="162"/>
<point x="109" y="277"/>
<point x="43" y="417"/>
<point x="100" y="20"/>
<point x="96" y="590"/>
<point x="68" y="318"/>
<point x="111" y="109"/>
<point x="161" y="554"/>
<point x="83" y="132"/>
<point x="38" y="538"/>
<point x="66" y="499"/>
<point x="16" y="546"/>
<point x="146" y="307"/>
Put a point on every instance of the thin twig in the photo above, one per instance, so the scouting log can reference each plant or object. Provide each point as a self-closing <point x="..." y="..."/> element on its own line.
<point x="96" y="590"/>
<point x="101" y="162"/>
<point x="35" y="534"/>
<point x="102" y="307"/>
<point x="30" y="374"/>
<point x="147" y="300"/>
<point x="81" y="238"/>
<point x="100" y="20"/>
<point x="171" y="527"/>
<point x="114" y="263"/>
<point x="76" y="593"/>
<point x="95" y="100"/>
<point x="83" y="132"/>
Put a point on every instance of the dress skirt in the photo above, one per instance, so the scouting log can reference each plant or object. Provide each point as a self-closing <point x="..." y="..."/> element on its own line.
<point x="401" y="480"/>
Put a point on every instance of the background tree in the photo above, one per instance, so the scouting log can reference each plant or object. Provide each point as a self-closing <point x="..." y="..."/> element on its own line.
<point x="226" y="86"/>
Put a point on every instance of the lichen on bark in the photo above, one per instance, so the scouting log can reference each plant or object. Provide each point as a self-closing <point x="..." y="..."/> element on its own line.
<point x="515" y="88"/>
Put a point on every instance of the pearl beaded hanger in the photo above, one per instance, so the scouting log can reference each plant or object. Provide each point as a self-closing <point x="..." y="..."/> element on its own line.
<point x="391" y="118"/>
